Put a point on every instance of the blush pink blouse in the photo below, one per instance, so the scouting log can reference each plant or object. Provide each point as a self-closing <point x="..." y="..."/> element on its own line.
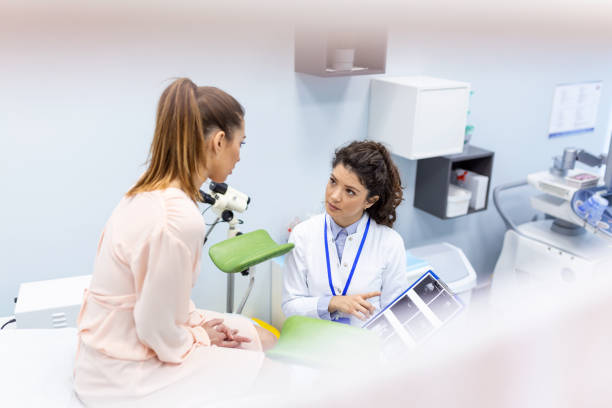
<point x="138" y="330"/>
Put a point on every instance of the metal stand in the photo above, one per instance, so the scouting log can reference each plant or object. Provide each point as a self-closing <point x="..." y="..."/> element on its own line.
<point x="248" y="292"/>
<point x="229" y="306"/>
<point x="231" y="233"/>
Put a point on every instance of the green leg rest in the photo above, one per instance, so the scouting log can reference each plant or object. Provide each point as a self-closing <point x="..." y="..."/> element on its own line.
<point x="322" y="343"/>
<point x="246" y="250"/>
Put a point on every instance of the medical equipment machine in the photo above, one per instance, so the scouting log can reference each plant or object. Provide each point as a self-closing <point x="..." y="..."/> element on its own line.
<point x="240" y="251"/>
<point x="50" y="304"/>
<point x="558" y="249"/>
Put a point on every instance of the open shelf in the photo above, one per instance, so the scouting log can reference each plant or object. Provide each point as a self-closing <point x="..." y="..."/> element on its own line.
<point x="315" y="47"/>
<point x="434" y="176"/>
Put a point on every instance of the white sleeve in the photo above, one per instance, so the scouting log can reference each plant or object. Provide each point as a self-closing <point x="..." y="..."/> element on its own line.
<point x="394" y="279"/>
<point x="162" y="311"/>
<point x="296" y="295"/>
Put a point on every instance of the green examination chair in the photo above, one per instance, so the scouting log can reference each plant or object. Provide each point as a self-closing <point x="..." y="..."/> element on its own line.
<point x="303" y="340"/>
<point x="243" y="251"/>
<point x="323" y="343"/>
<point x="239" y="253"/>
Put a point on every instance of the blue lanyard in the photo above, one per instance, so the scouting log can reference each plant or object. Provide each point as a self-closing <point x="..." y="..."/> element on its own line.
<point x="348" y="282"/>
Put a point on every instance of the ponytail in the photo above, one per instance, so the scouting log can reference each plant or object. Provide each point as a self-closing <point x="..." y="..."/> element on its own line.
<point x="372" y="164"/>
<point x="186" y="114"/>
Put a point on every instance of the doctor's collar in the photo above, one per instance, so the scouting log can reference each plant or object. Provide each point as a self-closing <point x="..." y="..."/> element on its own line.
<point x="351" y="229"/>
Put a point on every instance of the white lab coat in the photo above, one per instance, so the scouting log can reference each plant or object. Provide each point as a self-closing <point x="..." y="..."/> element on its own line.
<point x="381" y="266"/>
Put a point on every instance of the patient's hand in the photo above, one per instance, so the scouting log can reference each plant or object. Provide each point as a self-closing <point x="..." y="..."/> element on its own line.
<point x="357" y="305"/>
<point x="222" y="336"/>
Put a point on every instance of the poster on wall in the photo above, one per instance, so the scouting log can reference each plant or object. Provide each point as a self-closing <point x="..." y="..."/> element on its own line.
<point x="574" y="109"/>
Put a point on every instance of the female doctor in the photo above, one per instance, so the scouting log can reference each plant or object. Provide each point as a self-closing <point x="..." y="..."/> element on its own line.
<point x="348" y="262"/>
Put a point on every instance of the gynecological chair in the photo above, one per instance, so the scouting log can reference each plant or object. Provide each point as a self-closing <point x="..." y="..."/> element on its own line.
<point x="303" y="340"/>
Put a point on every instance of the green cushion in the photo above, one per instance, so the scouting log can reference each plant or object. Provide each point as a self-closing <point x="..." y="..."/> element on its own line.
<point x="243" y="251"/>
<point x="323" y="343"/>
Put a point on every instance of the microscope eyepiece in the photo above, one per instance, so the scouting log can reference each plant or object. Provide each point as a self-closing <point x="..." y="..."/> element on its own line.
<point x="207" y="198"/>
<point x="220" y="188"/>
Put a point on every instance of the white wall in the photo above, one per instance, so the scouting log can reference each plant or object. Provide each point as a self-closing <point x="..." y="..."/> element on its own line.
<point x="78" y="93"/>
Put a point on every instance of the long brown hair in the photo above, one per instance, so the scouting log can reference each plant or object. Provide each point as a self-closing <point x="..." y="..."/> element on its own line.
<point x="372" y="164"/>
<point x="186" y="115"/>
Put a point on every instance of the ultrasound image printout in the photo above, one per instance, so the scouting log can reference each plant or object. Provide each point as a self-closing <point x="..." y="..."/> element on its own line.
<point x="428" y="289"/>
<point x="382" y="327"/>
<point x="419" y="326"/>
<point x="404" y="309"/>
<point x="444" y="306"/>
<point x="421" y="310"/>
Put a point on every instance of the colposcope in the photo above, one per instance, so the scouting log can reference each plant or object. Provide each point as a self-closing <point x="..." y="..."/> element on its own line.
<point x="226" y="200"/>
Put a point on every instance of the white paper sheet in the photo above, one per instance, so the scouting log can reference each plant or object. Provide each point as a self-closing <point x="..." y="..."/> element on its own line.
<point x="574" y="108"/>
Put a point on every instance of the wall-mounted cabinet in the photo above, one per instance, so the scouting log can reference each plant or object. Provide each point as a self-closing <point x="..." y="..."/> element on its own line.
<point x="317" y="49"/>
<point x="433" y="178"/>
<point x="419" y="116"/>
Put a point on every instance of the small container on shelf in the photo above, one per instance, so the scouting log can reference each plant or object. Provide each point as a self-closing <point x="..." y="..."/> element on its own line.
<point x="474" y="182"/>
<point x="343" y="59"/>
<point x="458" y="201"/>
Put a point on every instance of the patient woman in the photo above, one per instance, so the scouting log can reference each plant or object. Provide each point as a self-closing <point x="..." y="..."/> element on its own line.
<point x="138" y="330"/>
<point x="348" y="262"/>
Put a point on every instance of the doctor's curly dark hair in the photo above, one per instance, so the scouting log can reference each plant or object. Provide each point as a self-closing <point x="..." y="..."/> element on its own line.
<point x="371" y="162"/>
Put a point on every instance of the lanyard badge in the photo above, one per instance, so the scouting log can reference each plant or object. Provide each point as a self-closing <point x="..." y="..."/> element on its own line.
<point x="329" y="278"/>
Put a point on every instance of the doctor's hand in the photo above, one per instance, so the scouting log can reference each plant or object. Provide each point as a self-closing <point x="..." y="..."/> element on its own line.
<point x="357" y="305"/>
<point x="222" y="336"/>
